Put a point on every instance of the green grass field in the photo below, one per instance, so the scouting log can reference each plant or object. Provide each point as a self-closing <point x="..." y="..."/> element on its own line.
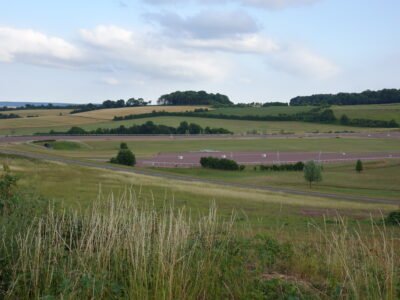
<point x="77" y="186"/>
<point x="147" y="148"/>
<point x="378" y="180"/>
<point x="260" y="111"/>
<point x="374" y="111"/>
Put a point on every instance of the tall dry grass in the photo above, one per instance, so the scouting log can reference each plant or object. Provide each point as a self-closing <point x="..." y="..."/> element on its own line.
<point x="120" y="249"/>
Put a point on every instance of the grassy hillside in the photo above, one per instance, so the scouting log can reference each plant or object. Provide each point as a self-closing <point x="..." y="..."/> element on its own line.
<point x="385" y="112"/>
<point x="260" y="111"/>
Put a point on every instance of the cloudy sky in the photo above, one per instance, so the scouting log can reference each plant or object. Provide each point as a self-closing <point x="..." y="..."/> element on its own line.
<point x="251" y="50"/>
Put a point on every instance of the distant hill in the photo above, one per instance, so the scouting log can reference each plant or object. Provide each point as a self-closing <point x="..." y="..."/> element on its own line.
<point x="21" y="104"/>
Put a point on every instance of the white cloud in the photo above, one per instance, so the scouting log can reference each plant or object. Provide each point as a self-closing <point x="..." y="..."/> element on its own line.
<point x="300" y="61"/>
<point x="148" y="54"/>
<point x="30" y="46"/>
<point x="110" y="81"/>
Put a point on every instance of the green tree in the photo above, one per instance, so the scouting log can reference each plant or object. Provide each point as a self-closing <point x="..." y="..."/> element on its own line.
<point x="359" y="166"/>
<point x="312" y="172"/>
<point x="124" y="156"/>
<point x="344" y="120"/>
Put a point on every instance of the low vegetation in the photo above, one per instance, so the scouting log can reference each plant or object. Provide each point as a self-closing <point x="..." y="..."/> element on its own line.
<point x="299" y="166"/>
<point x="124" y="157"/>
<point x="149" y="128"/>
<point x="220" y="164"/>
<point x="9" y="116"/>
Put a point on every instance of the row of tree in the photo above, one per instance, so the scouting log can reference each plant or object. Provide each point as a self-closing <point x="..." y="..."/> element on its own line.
<point x="345" y="120"/>
<point x="148" y="128"/>
<point x="220" y="164"/>
<point x="194" y="98"/>
<point x="131" y="102"/>
<point x="366" y="97"/>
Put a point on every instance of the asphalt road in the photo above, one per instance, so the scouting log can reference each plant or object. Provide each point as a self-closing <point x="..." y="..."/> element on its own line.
<point x="192" y="179"/>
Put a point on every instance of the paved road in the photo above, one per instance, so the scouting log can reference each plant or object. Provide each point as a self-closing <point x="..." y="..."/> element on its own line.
<point x="192" y="179"/>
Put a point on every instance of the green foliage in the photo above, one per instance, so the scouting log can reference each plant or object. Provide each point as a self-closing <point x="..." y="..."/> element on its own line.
<point x="76" y="130"/>
<point x="8" y="189"/>
<point x="124" y="156"/>
<point x="393" y="218"/>
<point x="366" y="97"/>
<point x="149" y="128"/>
<point x="193" y="98"/>
<point x="312" y="172"/>
<point x="219" y="163"/>
<point x="359" y="166"/>
<point x="299" y="166"/>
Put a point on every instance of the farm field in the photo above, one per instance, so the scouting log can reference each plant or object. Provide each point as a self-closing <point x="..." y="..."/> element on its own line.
<point x="385" y="112"/>
<point x="109" y="114"/>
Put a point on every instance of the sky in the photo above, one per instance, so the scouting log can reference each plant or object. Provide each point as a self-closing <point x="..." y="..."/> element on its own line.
<point x="251" y="50"/>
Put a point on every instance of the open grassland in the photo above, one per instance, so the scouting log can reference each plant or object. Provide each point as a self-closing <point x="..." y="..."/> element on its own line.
<point x="385" y="112"/>
<point x="109" y="114"/>
<point x="147" y="148"/>
<point x="78" y="186"/>
<point x="380" y="179"/>
<point x="166" y="239"/>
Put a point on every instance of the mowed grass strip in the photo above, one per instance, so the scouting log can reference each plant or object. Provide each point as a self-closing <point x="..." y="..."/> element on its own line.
<point x="109" y="114"/>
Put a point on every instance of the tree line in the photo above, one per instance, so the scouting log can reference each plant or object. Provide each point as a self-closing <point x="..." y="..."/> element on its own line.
<point x="193" y="98"/>
<point x="220" y="164"/>
<point x="367" y="97"/>
<point x="131" y="102"/>
<point x="148" y="128"/>
<point x="9" y="116"/>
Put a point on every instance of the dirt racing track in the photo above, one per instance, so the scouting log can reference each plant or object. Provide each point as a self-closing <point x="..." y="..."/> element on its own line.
<point x="192" y="159"/>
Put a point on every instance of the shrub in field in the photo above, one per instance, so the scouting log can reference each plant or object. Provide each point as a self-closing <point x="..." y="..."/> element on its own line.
<point x="124" y="156"/>
<point x="219" y="163"/>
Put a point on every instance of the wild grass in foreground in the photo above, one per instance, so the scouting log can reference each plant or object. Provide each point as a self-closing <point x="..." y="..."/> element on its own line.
<point x="122" y="249"/>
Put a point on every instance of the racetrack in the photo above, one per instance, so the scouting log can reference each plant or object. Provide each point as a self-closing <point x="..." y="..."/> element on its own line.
<point x="192" y="159"/>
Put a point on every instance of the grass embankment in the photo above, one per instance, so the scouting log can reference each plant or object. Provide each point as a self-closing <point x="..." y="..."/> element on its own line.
<point x="120" y="248"/>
